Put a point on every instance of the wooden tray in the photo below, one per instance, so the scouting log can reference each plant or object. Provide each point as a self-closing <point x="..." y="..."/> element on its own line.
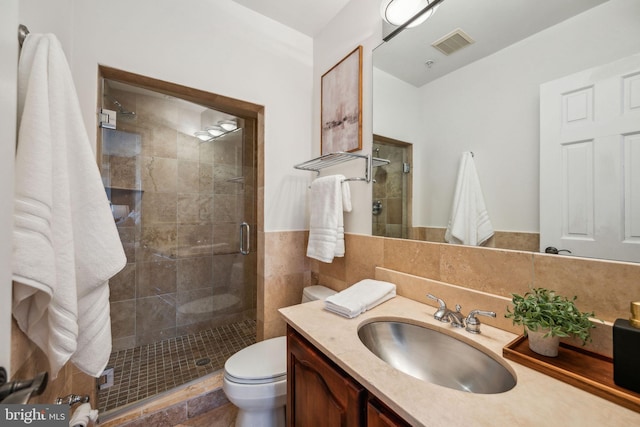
<point x="586" y="370"/>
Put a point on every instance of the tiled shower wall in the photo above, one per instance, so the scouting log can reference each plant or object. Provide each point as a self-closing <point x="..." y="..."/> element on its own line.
<point x="183" y="273"/>
<point x="390" y="189"/>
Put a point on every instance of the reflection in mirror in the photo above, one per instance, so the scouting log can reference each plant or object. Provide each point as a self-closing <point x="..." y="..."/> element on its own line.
<point x="485" y="98"/>
<point x="391" y="209"/>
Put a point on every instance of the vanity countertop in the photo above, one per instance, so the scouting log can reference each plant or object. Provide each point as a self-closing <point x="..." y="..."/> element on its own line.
<point x="535" y="398"/>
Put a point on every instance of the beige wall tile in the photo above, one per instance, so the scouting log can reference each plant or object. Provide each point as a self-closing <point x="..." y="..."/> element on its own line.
<point x="159" y="141"/>
<point x="123" y="319"/>
<point x="517" y="241"/>
<point x="155" y="313"/>
<point x="158" y="240"/>
<point x="409" y="256"/>
<point x="156" y="278"/>
<point x="281" y="291"/>
<point x="122" y="286"/>
<point x="285" y="253"/>
<point x="122" y="172"/>
<point x="276" y="328"/>
<point x="416" y="288"/>
<point x="336" y="269"/>
<point x="494" y="271"/>
<point x="364" y="253"/>
<point x="605" y="287"/>
<point x="194" y="273"/>
<point x="332" y="282"/>
<point x="188" y="147"/>
<point x="260" y="300"/>
<point x="159" y="174"/>
<point x="158" y="208"/>
<point x="188" y="176"/>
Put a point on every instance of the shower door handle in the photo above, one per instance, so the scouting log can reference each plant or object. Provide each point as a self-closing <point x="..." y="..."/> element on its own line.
<point x="245" y="236"/>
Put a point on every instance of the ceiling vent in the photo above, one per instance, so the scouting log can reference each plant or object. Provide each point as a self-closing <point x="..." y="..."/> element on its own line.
<point x="453" y="42"/>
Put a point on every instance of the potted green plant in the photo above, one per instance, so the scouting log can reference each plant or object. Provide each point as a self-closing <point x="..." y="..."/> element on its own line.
<point x="547" y="317"/>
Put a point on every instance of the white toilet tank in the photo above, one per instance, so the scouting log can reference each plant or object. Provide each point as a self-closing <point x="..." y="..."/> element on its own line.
<point x="317" y="292"/>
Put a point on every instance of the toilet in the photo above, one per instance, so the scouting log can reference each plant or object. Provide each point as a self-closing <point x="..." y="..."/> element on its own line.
<point x="255" y="378"/>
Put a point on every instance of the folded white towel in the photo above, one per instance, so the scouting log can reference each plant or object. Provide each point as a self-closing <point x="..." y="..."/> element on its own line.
<point x="330" y="197"/>
<point x="469" y="223"/>
<point x="65" y="243"/>
<point x="360" y="297"/>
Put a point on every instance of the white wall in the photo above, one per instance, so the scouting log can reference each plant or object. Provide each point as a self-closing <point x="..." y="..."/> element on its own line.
<point x="357" y="24"/>
<point x="8" y="88"/>
<point x="491" y="108"/>
<point x="53" y="16"/>
<point x="213" y="45"/>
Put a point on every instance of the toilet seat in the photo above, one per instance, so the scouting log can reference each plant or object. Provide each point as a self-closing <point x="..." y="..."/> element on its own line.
<point x="260" y="363"/>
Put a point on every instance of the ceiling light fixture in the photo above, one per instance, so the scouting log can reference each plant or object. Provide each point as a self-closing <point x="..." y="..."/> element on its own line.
<point x="218" y="130"/>
<point x="203" y="135"/>
<point x="228" y="125"/>
<point x="397" y="12"/>
<point x="215" y="130"/>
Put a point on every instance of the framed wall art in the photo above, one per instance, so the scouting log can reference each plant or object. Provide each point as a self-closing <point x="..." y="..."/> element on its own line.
<point x="341" y="105"/>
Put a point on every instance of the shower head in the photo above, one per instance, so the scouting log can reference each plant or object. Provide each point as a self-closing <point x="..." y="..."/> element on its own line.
<point x="121" y="109"/>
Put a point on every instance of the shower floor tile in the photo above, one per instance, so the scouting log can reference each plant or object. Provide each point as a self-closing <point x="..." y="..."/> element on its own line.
<point x="144" y="371"/>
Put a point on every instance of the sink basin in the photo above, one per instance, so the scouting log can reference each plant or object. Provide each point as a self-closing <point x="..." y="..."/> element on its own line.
<point x="436" y="357"/>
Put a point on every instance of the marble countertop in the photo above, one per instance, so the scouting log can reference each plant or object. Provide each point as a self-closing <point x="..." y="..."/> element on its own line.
<point x="534" y="399"/>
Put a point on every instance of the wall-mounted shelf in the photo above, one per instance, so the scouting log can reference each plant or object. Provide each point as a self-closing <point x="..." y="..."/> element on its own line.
<point x="333" y="159"/>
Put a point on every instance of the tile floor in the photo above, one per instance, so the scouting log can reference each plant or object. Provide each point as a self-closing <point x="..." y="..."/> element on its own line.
<point x="144" y="371"/>
<point x="223" y="416"/>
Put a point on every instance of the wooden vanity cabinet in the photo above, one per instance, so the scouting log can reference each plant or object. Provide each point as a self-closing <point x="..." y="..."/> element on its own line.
<point x="379" y="415"/>
<point x="318" y="392"/>
<point x="321" y="394"/>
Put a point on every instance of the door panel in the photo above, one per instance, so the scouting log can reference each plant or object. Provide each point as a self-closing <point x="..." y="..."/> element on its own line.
<point x="590" y="162"/>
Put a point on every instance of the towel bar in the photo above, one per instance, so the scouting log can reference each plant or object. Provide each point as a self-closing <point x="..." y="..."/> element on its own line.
<point x="333" y="159"/>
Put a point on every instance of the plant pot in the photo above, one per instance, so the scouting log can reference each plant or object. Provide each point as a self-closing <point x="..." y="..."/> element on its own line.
<point x="545" y="346"/>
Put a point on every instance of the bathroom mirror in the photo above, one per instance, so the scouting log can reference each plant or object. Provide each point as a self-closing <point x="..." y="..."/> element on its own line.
<point x="484" y="97"/>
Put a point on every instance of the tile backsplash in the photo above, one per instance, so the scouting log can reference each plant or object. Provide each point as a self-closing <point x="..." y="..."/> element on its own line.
<point x="605" y="287"/>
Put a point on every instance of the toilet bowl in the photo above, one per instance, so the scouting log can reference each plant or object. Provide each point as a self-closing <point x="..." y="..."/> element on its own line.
<point x="255" y="378"/>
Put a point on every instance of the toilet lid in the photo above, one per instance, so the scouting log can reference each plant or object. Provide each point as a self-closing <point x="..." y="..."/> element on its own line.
<point x="264" y="361"/>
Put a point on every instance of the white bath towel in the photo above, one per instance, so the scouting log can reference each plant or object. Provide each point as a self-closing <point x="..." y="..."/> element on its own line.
<point x="360" y="297"/>
<point x="330" y="197"/>
<point x="65" y="243"/>
<point x="469" y="223"/>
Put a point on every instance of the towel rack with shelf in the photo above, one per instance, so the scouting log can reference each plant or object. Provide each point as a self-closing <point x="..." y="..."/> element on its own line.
<point x="333" y="159"/>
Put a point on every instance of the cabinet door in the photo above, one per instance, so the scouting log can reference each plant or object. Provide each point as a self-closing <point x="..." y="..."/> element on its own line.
<point x="378" y="415"/>
<point x="319" y="393"/>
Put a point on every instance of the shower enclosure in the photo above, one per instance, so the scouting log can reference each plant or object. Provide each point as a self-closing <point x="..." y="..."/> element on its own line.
<point x="392" y="189"/>
<point x="185" y="208"/>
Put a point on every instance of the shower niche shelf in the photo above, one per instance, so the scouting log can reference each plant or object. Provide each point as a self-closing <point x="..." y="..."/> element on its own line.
<point x="333" y="159"/>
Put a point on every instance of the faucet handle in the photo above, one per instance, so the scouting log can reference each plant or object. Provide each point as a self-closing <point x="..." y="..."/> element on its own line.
<point x="72" y="399"/>
<point x="442" y="309"/>
<point x="435" y="298"/>
<point x="473" y="324"/>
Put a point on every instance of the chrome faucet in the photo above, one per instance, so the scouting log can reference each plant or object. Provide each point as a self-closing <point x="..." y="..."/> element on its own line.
<point x="456" y="317"/>
<point x="445" y="315"/>
<point x="441" y="313"/>
<point x="72" y="399"/>
<point x="473" y="324"/>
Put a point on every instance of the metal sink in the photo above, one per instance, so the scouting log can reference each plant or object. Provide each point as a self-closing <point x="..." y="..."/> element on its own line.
<point x="435" y="357"/>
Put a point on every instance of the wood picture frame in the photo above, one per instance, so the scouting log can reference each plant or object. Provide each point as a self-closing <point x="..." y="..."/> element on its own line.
<point x="341" y="105"/>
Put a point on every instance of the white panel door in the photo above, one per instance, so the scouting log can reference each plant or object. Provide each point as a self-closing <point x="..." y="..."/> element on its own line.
<point x="590" y="162"/>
